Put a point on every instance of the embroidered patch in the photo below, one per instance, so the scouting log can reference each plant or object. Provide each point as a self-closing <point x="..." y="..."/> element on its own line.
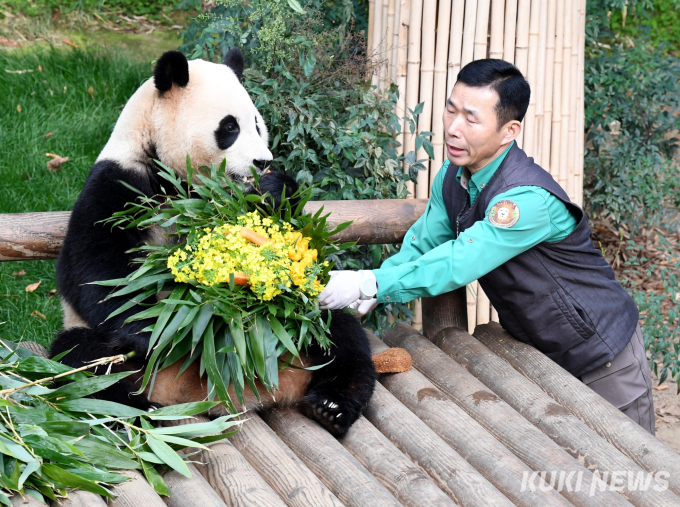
<point x="504" y="214"/>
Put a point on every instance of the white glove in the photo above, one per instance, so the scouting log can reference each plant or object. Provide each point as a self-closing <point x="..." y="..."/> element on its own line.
<point x="364" y="306"/>
<point x="345" y="287"/>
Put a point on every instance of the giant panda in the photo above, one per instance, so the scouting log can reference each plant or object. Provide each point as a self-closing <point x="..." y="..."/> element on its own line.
<point x="201" y="109"/>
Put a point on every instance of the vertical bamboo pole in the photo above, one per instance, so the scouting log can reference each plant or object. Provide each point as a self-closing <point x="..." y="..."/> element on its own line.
<point x="540" y="79"/>
<point x="494" y="315"/>
<point x="384" y="51"/>
<point x="497" y="21"/>
<point x="395" y="41"/>
<point x="549" y="79"/>
<point x="468" y="49"/>
<point x="471" y="296"/>
<point x="567" y="96"/>
<point x="376" y="50"/>
<point x="413" y="71"/>
<point x="439" y="95"/>
<point x="371" y="19"/>
<point x="455" y="44"/>
<point x="529" y="139"/>
<point x="481" y="29"/>
<point x="556" y="123"/>
<point x="573" y="105"/>
<point x="510" y="30"/>
<point x="483" y="306"/>
<point x="580" y="131"/>
<point x="426" y="85"/>
<point x="402" y="60"/>
<point x="389" y="43"/>
<point x="521" y="52"/>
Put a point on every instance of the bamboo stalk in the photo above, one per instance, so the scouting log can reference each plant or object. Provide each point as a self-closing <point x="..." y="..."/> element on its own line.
<point x="417" y="323"/>
<point x="376" y="51"/>
<point x="567" y="98"/>
<point x="455" y="44"/>
<point x="468" y="48"/>
<point x="494" y="315"/>
<point x="371" y="19"/>
<point x="573" y="106"/>
<point x="483" y="307"/>
<point x="426" y="85"/>
<point x="413" y="72"/>
<point x="529" y="139"/>
<point x="471" y="296"/>
<point x="580" y="131"/>
<point x="521" y="53"/>
<point x="510" y="31"/>
<point x="394" y="58"/>
<point x="402" y="62"/>
<point x="556" y="122"/>
<point x="497" y="22"/>
<point x="439" y="95"/>
<point x="385" y="52"/>
<point x="546" y="127"/>
<point x="482" y="28"/>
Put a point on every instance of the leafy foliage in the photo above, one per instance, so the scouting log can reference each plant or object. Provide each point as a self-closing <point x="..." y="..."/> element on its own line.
<point x="135" y="7"/>
<point x="53" y="438"/>
<point x="329" y="127"/>
<point x="235" y="334"/>
<point x="658" y="23"/>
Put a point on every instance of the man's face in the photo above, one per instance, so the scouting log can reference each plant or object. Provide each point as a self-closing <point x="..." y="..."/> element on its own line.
<point x="471" y="131"/>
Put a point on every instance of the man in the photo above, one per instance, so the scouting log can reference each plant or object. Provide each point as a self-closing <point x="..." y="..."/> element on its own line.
<point x="496" y="216"/>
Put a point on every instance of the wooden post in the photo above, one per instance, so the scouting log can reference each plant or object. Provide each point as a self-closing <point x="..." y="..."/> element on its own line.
<point x="529" y="136"/>
<point x="481" y="28"/>
<point x="330" y="461"/>
<point x="455" y="44"/>
<point x="527" y="442"/>
<point x="471" y="298"/>
<point x="497" y="25"/>
<point x="285" y="473"/>
<point x="648" y="452"/>
<point x="466" y="436"/>
<point x="483" y="306"/>
<point x="191" y="491"/>
<point x="413" y="73"/>
<point x="446" y="310"/>
<point x="439" y="95"/>
<point x="403" y="478"/>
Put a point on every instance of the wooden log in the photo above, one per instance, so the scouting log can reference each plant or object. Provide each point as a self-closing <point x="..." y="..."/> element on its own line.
<point x="191" y="491"/>
<point x="497" y="26"/>
<point x="446" y="310"/>
<point x="455" y="44"/>
<point x="25" y="236"/>
<point x="79" y="498"/>
<point x="529" y="136"/>
<point x="404" y="479"/>
<point x="645" y="450"/>
<point x="285" y="473"/>
<point x="467" y="437"/>
<point x="468" y="49"/>
<point x="233" y="478"/>
<point x="481" y="28"/>
<point x="450" y="471"/>
<point x="554" y="420"/>
<point x="439" y="95"/>
<point x="329" y="460"/>
<point x="135" y="493"/>
<point x="526" y="441"/>
<point x="25" y="501"/>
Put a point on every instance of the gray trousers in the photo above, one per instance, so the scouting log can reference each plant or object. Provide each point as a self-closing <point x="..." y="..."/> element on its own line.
<point x="626" y="382"/>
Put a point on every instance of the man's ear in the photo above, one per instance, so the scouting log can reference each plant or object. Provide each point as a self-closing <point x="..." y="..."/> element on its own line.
<point x="512" y="130"/>
<point x="171" y="68"/>
<point x="235" y="61"/>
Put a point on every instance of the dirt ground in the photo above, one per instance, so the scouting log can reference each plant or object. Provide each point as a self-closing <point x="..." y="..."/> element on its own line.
<point x="667" y="408"/>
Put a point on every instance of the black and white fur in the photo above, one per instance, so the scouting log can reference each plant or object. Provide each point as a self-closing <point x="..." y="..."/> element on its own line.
<point x="201" y="109"/>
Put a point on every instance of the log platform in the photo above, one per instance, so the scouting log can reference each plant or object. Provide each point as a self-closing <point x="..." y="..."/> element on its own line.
<point x="478" y="421"/>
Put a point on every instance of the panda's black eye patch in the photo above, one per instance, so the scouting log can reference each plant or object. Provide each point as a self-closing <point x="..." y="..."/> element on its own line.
<point x="227" y="132"/>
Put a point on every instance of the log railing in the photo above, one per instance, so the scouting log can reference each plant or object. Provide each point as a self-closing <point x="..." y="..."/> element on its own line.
<point x="35" y="236"/>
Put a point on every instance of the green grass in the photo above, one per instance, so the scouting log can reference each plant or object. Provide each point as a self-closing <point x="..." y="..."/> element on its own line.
<point x="55" y="100"/>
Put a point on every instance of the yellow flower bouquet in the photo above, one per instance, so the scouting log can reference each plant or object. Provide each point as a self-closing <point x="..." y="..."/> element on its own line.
<point x="236" y="285"/>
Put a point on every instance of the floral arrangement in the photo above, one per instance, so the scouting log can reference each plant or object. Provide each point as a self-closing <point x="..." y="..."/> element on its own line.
<point x="242" y="277"/>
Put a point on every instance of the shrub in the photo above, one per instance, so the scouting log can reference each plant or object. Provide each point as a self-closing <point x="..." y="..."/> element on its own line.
<point x="306" y="70"/>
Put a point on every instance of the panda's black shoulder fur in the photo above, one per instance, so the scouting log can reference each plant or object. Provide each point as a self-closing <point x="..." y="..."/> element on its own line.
<point x="275" y="183"/>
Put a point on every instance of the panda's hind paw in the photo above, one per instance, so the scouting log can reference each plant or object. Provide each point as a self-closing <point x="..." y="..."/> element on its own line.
<point x="333" y="412"/>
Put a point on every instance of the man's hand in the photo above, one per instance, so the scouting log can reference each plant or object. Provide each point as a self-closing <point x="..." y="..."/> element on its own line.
<point x="345" y="287"/>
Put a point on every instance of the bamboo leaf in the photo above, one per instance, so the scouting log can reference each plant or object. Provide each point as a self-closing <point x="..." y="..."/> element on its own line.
<point x="86" y="387"/>
<point x="155" y="479"/>
<point x="283" y="335"/>
<point x="200" y="324"/>
<point x="72" y="480"/>
<point x="167" y="454"/>
<point x="100" y="407"/>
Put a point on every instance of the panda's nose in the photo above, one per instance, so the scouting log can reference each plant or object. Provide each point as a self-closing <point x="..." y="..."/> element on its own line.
<point x="261" y="165"/>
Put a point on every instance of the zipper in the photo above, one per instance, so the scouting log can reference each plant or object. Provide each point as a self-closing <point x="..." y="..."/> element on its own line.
<point x="457" y="228"/>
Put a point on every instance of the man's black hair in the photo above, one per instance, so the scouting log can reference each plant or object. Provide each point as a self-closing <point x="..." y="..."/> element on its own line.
<point x="506" y="80"/>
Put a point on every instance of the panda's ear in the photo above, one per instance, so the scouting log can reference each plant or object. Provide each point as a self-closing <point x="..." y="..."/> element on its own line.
<point x="235" y="61"/>
<point x="171" y="68"/>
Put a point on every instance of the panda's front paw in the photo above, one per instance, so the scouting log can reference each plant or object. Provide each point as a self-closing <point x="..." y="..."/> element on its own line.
<point x="334" y="411"/>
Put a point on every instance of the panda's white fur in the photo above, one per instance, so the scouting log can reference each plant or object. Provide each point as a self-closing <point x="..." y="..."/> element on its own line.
<point x="169" y="121"/>
<point x="201" y="109"/>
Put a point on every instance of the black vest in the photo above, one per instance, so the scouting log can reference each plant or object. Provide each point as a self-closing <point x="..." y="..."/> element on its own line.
<point x="560" y="297"/>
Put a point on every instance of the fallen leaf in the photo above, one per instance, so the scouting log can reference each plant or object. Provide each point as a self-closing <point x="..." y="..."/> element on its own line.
<point x="9" y="43"/>
<point x="36" y="313"/>
<point x="51" y="293"/>
<point x="52" y="155"/>
<point x="19" y="107"/>
<point x="69" y="43"/>
<point x="39" y="68"/>
<point x="24" y="71"/>
<point x="49" y="134"/>
<point x="55" y="164"/>
<point x="33" y="286"/>
<point x="19" y="273"/>
<point x="90" y="90"/>
<point x="662" y="387"/>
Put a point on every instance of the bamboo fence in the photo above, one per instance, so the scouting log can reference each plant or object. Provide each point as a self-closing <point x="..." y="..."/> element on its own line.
<point x="423" y="44"/>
